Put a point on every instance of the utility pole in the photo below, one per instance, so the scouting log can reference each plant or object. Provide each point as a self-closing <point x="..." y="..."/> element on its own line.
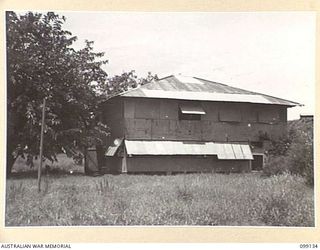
<point x="41" y="143"/>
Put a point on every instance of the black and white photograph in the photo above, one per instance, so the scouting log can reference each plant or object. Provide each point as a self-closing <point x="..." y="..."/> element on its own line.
<point x="118" y="118"/>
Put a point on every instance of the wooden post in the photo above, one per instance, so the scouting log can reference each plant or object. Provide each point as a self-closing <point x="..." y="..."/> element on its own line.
<point x="41" y="144"/>
<point x="124" y="169"/>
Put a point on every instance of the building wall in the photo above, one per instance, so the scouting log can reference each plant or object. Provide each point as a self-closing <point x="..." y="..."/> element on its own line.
<point x="112" y="165"/>
<point x="185" y="164"/>
<point x="112" y="116"/>
<point x="158" y="119"/>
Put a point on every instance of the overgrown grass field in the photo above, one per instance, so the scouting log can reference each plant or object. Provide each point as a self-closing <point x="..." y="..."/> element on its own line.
<point x="190" y="199"/>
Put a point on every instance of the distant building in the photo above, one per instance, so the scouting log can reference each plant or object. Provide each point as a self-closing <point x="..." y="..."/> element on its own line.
<point x="306" y="117"/>
<point x="188" y="124"/>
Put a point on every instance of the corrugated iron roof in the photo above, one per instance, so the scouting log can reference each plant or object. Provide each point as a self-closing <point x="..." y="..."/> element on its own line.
<point x="193" y="88"/>
<point x="224" y="151"/>
<point x="111" y="151"/>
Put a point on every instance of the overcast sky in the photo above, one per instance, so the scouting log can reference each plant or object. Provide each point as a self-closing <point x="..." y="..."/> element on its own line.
<point x="268" y="52"/>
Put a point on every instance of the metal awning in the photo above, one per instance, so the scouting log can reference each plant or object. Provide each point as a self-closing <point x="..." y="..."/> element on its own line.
<point x="193" y="109"/>
<point x="224" y="151"/>
<point x="111" y="151"/>
<point x="234" y="151"/>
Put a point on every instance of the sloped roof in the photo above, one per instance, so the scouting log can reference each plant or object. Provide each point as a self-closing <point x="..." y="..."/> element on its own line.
<point x="193" y="88"/>
<point x="224" y="151"/>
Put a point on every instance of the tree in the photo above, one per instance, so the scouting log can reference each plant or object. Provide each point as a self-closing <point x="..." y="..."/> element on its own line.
<point x="293" y="153"/>
<point x="126" y="81"/>
<point x="41" y="63"/>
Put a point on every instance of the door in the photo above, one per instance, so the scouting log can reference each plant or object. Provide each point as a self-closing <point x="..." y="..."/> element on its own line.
<point x="257" y="162"/>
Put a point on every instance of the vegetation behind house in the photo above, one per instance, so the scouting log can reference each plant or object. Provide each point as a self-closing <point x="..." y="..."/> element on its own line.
<point x="294" y="153"/>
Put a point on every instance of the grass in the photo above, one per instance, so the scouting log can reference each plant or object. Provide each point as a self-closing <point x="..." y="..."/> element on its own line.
<point x="192" y="199"/>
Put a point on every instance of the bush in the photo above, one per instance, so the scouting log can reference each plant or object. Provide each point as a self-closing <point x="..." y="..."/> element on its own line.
<point x="277" y="165"/>
<point x="301" y="157"/>
<point x="293" y="154"/>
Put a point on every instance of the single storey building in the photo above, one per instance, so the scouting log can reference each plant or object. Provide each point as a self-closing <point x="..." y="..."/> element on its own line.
<point x="188" y="124"/>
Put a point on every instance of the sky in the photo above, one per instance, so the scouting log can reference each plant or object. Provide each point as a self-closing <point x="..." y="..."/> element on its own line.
<point x="267" y="52"/>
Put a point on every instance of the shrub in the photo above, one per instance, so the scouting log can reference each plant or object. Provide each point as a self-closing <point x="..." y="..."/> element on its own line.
<point x="301" y="156"/>
<point x="277" y="165"/>
<point x="293" y="154"/>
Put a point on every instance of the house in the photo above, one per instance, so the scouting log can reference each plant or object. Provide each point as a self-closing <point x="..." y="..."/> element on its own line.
<point x="188" y="124"/>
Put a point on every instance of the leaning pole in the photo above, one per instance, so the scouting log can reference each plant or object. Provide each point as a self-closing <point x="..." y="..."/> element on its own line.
<point x="41" y="144"/>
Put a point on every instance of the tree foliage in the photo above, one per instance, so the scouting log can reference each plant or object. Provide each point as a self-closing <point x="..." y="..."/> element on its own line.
<point x="42" y="64"/>
<point x="126" y="81"/>
<point x="294" y="153"/>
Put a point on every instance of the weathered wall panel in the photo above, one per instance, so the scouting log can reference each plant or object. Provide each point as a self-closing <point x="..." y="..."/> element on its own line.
<point x="212" y="111"/>
<point x="169" y="109"/>
<point x="138" y="128"/>
<point x="208" y="132"/>
<point x="160" y="129"/>
<point x="268" y="114"/>
<point x="112" y="165"/>
<point x="229" y="112"/>
<point x="188" y="130"/>
<point x="112" y="110"/>
<point x="201" y="130"/>
<point x="161" y="121"/>
<point x="184" y="164"/>
<point x="147" y="109"/>
<point x="249" y="113"/>
<point x="129" y="107"/>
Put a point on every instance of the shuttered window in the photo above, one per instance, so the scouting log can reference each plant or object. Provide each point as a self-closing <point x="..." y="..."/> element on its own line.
<point x="230" y="113"/>
<point x="269" y="115"/>
<point x="191" y="111"/>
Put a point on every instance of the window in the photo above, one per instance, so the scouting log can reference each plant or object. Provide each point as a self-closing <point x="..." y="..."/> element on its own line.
<point x="192" y="111"/>
<point x="257" y="163"/>
<point x="269" y="115"/>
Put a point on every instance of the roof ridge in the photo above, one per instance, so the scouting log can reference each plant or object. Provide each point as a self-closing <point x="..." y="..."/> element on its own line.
<point x="165" y="77"/>
<point x="199" y="78"/>
<point x="218" y="85"/>
<point x="253" y="92"/>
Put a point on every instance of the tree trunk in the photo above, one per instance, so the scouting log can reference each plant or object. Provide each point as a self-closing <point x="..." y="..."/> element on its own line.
<point x="86" y="168"/>
<point x="10" y="161"/>
<point x="12" y="140"/>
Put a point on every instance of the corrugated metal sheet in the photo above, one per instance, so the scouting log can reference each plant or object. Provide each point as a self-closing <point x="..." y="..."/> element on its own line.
<point x="192" y="88"/>
<point x="246" y="151"/>
<point x="188" y="79"/>
<point x="111" y="151"/>
<point x="224" y="151"/>
<point x="192" y="109"/>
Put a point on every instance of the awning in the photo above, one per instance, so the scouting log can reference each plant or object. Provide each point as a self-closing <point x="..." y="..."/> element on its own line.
<point x="224" y="151"/>
<point x="111" y="151"/>
<point x="192" y="109"/>
<point x="234" y="151"/>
